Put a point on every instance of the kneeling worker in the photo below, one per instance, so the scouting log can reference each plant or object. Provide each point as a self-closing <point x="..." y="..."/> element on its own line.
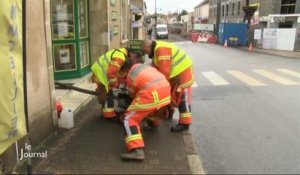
<point x="150" y="91"/>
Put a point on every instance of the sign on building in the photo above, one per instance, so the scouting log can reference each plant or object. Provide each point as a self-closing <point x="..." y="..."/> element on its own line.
<point x="257" y="34"/>
<point x="12" y="118"/>
<point x="204" y="27"/>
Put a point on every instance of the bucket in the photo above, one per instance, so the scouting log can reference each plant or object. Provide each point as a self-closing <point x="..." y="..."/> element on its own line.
<point x="66" y="119"/>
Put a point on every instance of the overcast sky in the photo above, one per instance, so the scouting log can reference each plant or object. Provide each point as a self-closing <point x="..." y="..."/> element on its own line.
<point x="165" y="6"/>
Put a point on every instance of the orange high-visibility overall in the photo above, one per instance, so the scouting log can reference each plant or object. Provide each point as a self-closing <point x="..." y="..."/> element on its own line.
<point x="175" y="64"/>
<point x="150" y="91"/>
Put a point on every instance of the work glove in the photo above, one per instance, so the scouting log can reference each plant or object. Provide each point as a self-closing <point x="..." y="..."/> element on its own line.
<point x="113" y="85"/>
<point x="163" y="113"/>
<point x="101" y="95"/>
<point x="176" y="92"/>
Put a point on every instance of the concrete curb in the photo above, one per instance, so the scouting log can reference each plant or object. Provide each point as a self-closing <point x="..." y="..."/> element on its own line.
<point x="194" y="160"/>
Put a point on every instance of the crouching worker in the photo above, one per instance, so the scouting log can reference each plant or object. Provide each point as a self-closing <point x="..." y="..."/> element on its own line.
<point x="106" y="74"/>
<point x="150" y="91"/>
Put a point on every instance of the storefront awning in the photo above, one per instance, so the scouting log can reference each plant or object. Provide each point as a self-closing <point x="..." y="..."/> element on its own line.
<point x="135" y="9"/>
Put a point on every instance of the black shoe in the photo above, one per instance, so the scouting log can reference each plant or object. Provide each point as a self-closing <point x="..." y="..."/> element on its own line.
<point x="114" y="119"/>
<point x="136" y="154"/>
<point x="171" y="112"/>
<point x="148" y="125"/>
<point x="179" y="128"/>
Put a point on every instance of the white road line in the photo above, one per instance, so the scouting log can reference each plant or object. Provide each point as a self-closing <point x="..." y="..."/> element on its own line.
<point x="276" y="78"/>
<point x="245" y="78"/>
<point x="182" y="42"/>
<point x="215" y="79"/>
<point x="289" y="72"/>
<point x="195" y="84"/>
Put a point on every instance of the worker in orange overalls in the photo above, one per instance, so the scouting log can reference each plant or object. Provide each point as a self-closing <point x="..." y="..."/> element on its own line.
<point x="150" y="91"/>
<point x="107" y="75"/>
<point x="176" y="65"/>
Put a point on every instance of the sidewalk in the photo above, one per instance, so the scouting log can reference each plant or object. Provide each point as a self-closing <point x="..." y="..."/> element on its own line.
<point x="283" y="53"/>
<point x="93" y="146"/>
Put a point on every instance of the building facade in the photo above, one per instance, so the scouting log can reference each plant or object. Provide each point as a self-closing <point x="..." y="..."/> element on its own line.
<point x="63" y="39"/>
<point x="188" y="24"/>
<point x="82" y="30"/>
<point x="269" y="13"/>
<point x="201" y="12"/>
<point x="138" y="10"/>
<point x="229" y="11"/>
<point x="278" y="13"/>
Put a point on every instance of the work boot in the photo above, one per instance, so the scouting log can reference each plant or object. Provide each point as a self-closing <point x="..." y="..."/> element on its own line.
<point x="136" y="154"/>
<point x="179" y="127"/>
<point x="148" y="125"/>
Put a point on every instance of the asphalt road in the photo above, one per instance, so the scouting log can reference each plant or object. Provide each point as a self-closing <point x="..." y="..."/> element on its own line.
<point x="246" y="110"/>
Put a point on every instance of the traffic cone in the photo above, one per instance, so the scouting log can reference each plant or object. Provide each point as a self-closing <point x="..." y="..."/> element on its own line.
<point x="250" y="48"/>
<point x="225" y="43"/>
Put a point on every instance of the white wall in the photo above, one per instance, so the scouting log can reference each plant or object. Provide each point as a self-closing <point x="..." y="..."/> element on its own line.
<point x="279" y="39"/>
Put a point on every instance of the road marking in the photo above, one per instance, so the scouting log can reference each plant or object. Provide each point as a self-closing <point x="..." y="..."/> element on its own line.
<point x="245" y="78"/>
<point x="195" y="164"/>
<point x="276" y="78"/>
<point x="195" y="84"/>
<point x="215" y="79"/>
<point x="289" y="72"/>
<point x="182" y="42"/>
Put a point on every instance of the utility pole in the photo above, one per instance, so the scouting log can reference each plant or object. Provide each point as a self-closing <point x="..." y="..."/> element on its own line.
<point x="218" y="15"/>
<point x="155" y="23"/>
<point x="225" y="11"/>
<point x="155" y="14"/>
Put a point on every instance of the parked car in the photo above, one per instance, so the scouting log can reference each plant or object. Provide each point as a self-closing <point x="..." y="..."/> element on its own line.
<point x="162" y="31"/>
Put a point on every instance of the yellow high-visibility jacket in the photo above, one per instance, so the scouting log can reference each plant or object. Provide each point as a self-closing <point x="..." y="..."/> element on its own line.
<point x="170" y="60"/>
<point x="107" y="67"/>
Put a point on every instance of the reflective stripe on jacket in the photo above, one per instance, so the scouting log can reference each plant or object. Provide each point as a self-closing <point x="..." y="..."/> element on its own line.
<point x="179" y="60"/>
<point x="105" y="62"/>
<point x="149" y="88"/>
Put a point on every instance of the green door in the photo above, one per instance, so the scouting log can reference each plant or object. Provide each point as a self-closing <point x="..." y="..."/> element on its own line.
<point x="70" y="38"/>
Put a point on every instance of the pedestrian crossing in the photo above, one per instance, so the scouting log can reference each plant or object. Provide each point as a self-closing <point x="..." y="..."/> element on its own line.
<point x="275" y="77"/>
<point x="245" y="78"/>
<point x="289" y="72"/>
<point x="215" y="79"/>
<point x="254" y="78"/>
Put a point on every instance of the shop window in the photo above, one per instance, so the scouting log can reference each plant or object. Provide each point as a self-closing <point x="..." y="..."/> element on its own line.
<point x="82" y="15"/>
<point x="84" y="54"/>
<point x="223" y="10"/>
<point x="288" y="6"/>
<point x="124" y="19"/>
<point x="70" y="38"/>
<point x="62" y="19"/>
<point x="287" y="24"/>
<point x="64" y="55"/>
<point x="227" y="9"/>
<point x="239" y="8"/>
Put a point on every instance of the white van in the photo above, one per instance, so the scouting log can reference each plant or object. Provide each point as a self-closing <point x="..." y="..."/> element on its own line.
<point x="162" y="31"/>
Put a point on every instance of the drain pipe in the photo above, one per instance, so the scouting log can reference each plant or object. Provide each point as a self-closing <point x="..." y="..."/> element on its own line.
<point x="28" y="141"/>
